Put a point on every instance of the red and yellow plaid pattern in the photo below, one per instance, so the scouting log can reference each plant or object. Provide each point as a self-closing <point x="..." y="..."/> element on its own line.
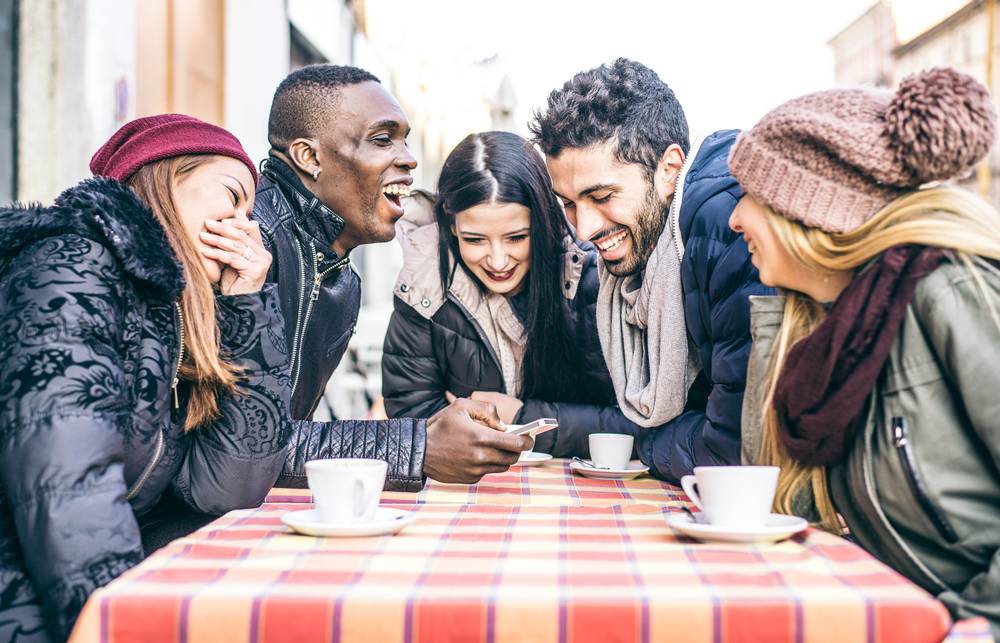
<point x="551" y="484"/>
<point x="501" y="572"/>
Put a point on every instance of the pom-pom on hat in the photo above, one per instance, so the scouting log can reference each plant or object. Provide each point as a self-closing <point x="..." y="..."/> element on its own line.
<point x="833" y="159"/>
<point x="154" y="138"/>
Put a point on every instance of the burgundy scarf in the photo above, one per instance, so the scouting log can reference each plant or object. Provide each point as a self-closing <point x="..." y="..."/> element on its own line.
<point x="822" y="392"/>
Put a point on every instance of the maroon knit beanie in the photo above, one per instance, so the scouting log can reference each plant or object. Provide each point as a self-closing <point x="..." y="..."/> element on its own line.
<point x="154" y="138"/>
<point x="833" y="159"/>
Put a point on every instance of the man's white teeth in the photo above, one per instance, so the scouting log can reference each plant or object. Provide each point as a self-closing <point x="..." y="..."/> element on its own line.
<point x="612" y="242"/>
<point x="396" y="189"/>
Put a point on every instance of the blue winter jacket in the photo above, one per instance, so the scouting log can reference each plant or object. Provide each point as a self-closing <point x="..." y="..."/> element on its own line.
<point x="717" y="278"/>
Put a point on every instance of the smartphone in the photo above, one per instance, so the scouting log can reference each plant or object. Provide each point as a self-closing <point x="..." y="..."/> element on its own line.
<point x="541" y="425"/>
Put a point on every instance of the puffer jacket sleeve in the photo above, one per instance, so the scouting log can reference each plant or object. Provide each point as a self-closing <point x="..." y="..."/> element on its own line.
<point x="719" y="280"/>
<point x="598" y="413"/>
<point x="63" y="403"/>
<point x="576" y="423"/>
<point x="964" y="335"/>
<point x="399" y="442"/>
<point x="412" y="380"/>
<point x="234" y="461"/>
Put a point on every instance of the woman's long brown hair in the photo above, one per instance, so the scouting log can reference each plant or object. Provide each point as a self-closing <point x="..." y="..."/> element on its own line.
<point x="203" y="367"/>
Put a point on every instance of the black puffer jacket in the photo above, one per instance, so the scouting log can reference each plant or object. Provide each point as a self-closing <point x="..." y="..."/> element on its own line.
<point x="320" y="297"/>
<point x="89" y="435"/>
<point x="433" y="344"/>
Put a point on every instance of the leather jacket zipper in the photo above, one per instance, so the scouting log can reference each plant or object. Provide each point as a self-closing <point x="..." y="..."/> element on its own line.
<point x="180" y="354"/>
<point x="158" y="450"/>
<point x="901" y="441"/>
<point x="303" y="321"/>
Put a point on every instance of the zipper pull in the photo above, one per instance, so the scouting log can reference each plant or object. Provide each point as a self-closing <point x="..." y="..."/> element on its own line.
<point x="314" y="295"/>
<point x="177" y="403"/>
<point x="316" y="276"/>
<point x="899" y="431"/>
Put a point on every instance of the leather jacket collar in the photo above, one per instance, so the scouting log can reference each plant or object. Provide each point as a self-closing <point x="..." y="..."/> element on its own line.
<point x="313" y="220"/>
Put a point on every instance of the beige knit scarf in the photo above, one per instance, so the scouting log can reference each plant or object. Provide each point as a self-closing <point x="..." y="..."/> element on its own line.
<point x="640" y="321"/>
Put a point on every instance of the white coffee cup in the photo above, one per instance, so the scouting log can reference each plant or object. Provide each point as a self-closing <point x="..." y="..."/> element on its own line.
<point x="610" y="450"/>
<point x="733" y="496"/>
<point x="346" y="490"/>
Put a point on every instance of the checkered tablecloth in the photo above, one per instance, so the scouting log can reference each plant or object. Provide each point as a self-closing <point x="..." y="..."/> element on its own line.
<point x="496" y="573"/>
<point x="551" y="484"/>
<point x="536" y="554"/>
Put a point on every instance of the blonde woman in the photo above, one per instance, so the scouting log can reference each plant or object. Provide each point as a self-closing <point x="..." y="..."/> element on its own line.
<point x="141" y="358"/>
<point x="873" y="382"/>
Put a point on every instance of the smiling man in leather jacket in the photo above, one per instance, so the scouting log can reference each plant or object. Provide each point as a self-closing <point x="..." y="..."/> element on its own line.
<point x="337" y="170"/>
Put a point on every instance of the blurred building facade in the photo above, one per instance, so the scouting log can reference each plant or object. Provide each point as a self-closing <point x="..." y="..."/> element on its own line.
<point x="73" y="71"/>
<point x="866" y="54"/>
<point x="862" y="51"/>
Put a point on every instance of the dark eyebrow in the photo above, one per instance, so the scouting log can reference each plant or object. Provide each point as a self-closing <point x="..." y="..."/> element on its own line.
<point x="525" y="229"/>
<point x="385" y="124"/>
<point x="239" y="183"/>
<point x="599" y="186"/>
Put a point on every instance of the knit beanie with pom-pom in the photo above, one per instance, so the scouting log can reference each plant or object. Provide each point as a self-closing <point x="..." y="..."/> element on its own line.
<point x="833" y="159"/>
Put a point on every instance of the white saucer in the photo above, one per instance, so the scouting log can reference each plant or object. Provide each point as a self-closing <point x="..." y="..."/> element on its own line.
<point x="531" y="459"/>
<point x="634" y="469"/>
<point x="777" y="527"/>
<point x="387" y="521"/>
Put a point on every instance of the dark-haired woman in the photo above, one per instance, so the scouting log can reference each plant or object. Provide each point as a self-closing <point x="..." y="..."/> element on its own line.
<point x="141" y="357"/>
<point x="495" y="301"/>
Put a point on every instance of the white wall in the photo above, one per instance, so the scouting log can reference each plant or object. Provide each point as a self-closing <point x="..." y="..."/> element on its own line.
<point x="257" y="59"/>
<point x="328" y="24"/>
<point x="76" y="59"/>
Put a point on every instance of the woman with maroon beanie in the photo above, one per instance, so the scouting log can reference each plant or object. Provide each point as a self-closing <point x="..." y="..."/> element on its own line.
<point x="873" y="381"/>
<point x="141" y="358"/>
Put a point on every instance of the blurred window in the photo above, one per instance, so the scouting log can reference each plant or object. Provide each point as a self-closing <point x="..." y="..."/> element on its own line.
<point x="8" y="100"/>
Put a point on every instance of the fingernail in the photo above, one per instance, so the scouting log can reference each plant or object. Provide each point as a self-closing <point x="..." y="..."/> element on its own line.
<point x="211" y="222"/>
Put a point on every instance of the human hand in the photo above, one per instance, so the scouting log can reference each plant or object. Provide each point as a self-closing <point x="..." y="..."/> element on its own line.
<point x="507" y="405"/>
<point x="466" y="440"/>
<point x="237" y="245"/>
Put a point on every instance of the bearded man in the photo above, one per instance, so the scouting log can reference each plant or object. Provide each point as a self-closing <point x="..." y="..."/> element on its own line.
<point x="673" y="311"/>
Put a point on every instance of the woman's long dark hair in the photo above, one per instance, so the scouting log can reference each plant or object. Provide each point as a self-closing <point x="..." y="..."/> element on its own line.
<point x="500" y="167"/>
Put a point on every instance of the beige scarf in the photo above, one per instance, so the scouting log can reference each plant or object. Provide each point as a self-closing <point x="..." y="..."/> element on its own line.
<point x="640" y="321"/>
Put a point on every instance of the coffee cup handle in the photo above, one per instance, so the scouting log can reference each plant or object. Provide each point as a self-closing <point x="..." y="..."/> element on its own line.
<point x="359" y="500"/>
<point x="688" y="484"/>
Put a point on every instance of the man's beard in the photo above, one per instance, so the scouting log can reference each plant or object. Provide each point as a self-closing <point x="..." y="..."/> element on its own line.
<point x="650" y="218"/>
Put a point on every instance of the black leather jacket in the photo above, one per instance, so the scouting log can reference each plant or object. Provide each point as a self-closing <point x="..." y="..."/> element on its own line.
<point x="320" y="292"/>
<point x="320" y="297"/>
<point x="91" y="435"/>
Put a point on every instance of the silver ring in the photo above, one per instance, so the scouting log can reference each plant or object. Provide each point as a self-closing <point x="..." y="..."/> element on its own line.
<point x="247" y="253"/>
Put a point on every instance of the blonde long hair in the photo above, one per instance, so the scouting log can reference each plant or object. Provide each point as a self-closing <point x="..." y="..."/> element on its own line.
<point x="203" y="365"/>
<point x="942" y="217"/>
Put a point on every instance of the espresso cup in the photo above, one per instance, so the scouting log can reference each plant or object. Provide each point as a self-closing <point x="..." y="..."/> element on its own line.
<point x="733" y="496"/>
<point x="346" y="490"/>
<point x="610" y="450"/>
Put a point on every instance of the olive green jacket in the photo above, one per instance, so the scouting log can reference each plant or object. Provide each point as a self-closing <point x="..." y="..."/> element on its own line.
<point x="920" y="489"/>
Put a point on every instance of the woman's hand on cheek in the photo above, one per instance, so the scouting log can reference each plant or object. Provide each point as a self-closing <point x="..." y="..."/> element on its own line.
<point x="238" y="246"/>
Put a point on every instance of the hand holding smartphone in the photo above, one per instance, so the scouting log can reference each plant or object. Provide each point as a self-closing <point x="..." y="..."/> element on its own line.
<point x="541" y="425"/>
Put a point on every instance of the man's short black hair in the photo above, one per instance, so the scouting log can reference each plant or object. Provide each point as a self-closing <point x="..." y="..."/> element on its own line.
<point x="303" y="101"/>
<point x="625" y="101"/>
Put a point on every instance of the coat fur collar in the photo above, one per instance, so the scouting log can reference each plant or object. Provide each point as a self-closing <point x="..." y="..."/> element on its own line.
<point x="105" y="211"/>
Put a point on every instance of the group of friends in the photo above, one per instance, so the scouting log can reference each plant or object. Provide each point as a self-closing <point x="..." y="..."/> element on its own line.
<point x="810" y="293"/>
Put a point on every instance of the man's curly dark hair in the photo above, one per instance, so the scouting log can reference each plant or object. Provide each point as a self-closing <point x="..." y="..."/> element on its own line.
<point x="625" y="101"/>
<point x="302" y="103"/>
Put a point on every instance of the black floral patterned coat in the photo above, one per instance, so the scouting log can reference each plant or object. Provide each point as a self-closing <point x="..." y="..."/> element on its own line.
<point x="89" y="434"/>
